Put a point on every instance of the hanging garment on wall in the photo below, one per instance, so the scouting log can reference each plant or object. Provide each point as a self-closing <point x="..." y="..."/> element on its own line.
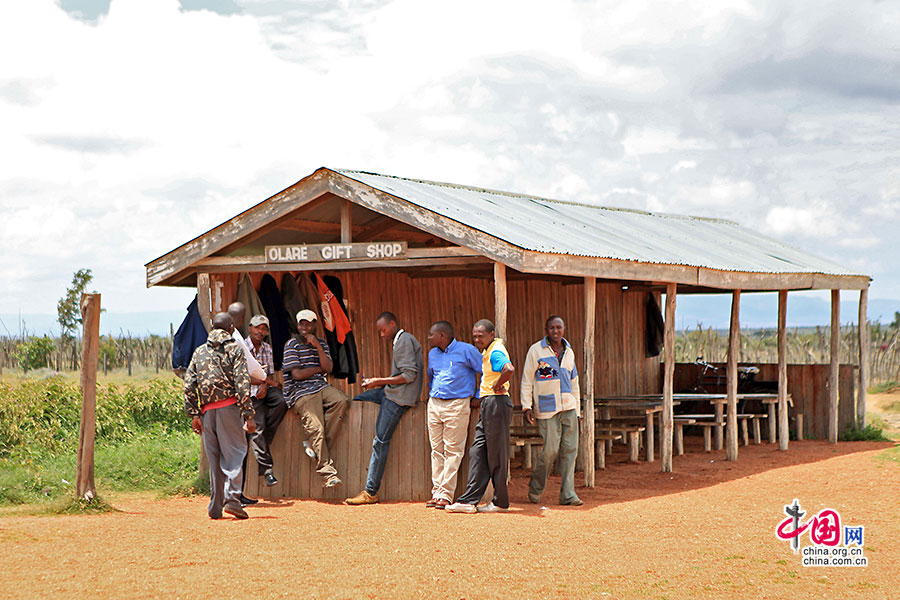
<point x="338" y="333"/>
<point x="310" y="296"/>
<point x="247" y="296"/>
<point x="293" y="301"/>
<point x="191" y="333"/>
<point x="654" y="333"/>
<point x="279" y="331"/>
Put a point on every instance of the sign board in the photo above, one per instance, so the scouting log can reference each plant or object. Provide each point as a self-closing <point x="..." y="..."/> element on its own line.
<point x="374" y="251"/>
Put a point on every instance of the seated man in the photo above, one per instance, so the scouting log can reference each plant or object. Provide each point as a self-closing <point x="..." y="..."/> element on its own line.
<point x="321" y="407"/>
<point x="268" y="401"/>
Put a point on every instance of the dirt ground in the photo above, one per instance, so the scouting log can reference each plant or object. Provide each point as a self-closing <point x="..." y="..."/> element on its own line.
<point x="707" y="530"/>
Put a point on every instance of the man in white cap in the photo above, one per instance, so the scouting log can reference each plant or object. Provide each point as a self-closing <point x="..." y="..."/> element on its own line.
<point x="321" y="407"/>
<point x="268" y="401"/>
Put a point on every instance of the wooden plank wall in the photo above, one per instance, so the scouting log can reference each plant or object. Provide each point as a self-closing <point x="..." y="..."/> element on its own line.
<point x="808" y="387"/>
<point x="622" y="367"/>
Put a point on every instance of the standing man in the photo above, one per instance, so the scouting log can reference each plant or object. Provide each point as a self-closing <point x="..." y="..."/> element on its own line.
<point x="394" y="395"/>
<point x="321" y="407"/>
<point x="268" y="401"/>
<point x="453" y="370"/>
<point x="489" y="454"/>
<point x="217" y="398"/>
<point x="550" y="394"/>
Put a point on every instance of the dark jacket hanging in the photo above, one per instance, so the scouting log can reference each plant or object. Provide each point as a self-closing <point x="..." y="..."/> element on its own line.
<point x="654" y="332"/>
<point x="191" y="333"/>
<point x="346" y="360"/>
<point x="279" y="328"/>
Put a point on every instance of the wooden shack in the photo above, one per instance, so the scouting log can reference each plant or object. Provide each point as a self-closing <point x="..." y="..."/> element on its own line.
<point x="463" y="254"/>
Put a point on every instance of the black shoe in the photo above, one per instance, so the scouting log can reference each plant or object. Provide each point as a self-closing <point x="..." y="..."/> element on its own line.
<point x="270" y="479"/>
<point x="246" y="501"/>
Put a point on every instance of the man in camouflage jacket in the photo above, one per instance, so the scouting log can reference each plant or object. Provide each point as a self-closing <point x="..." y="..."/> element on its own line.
<point x="217" y="398"/>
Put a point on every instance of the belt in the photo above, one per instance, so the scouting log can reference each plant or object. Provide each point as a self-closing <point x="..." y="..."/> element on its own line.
<point x="218" y="404"/>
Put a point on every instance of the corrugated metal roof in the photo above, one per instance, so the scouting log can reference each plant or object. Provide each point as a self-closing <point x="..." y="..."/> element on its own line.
<point x="560" y="227"/>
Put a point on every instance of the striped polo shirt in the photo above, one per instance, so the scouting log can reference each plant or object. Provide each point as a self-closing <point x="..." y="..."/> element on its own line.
<point x="300" y="355"/>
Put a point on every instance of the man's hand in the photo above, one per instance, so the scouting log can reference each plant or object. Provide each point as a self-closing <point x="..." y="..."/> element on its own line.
<point x="312" y="339"/>
<point x="474" y="403"/>
<point x="529" y="416"/>
<point x="368" y="382"/>
<point x="499" y="388"/>
<point x="197" y="425"/>
<point x="250" y="426"/>
<point x="262" y="391"/>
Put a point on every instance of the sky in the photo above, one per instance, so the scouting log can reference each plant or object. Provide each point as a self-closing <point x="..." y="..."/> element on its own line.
<point x="131" y="126"/>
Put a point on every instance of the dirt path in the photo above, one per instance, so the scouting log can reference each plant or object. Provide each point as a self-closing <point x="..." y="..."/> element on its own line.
<point x="887" y="407"/>
<point x="705" y="531"/>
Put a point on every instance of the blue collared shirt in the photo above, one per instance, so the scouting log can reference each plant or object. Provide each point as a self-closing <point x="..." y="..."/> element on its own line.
<point x="453" y="373"/>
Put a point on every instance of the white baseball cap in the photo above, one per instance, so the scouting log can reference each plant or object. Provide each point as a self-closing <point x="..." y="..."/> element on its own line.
<point x="306" y="315"/>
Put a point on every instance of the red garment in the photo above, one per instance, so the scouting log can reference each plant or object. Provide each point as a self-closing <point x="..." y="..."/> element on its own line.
<point x="333" y="316"/>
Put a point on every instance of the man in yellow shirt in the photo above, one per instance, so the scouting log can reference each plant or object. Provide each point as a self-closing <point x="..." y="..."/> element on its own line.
<point x="489" y="454"/>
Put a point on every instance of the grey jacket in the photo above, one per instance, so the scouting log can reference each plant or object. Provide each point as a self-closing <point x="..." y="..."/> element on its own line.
<point x="406" y="360"/>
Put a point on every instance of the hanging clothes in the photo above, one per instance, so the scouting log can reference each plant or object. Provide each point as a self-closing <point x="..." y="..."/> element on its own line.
<point x="247" y="296"/>
<point x="293" y="301"/>
<point x="311" y="297"/>
<point x="191" y="334"/>
<point x="278" y="317"/>
<point x="654" y="333"/>
<point x="338" y="333"/>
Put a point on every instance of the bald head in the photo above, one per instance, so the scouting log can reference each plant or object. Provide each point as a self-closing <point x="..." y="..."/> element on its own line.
<point x="223" y="321"/>
<point x="237" y="310"/>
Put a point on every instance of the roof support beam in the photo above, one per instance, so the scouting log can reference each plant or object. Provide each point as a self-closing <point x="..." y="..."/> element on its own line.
<point x="346" y="222"/>
<point x="834" y="375"/>
<point x="587" y="422"/>
<point x="863" y="358"/>
<point x="782" y="374"/>
<point x="734" y="348"/>
<point x="668" y="413"/>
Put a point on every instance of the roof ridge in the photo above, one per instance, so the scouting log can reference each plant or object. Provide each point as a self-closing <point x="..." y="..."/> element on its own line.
<point x="538" y="198"/>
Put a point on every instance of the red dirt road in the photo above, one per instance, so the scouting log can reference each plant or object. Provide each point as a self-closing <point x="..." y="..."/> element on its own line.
<point x="704" y="531"/>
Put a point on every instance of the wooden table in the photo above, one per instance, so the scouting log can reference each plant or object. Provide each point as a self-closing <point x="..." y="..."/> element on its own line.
<point x="648" y="404"/>
<point x="720" y="400"/>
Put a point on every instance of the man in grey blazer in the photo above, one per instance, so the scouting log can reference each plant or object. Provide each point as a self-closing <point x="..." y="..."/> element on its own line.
<point x="394" y="395"/>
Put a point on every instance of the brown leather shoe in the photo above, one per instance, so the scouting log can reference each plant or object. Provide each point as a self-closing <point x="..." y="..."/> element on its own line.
<point x="363" y="497"/>
<point x="441" y="503"/>
<point x="431" y="503"/>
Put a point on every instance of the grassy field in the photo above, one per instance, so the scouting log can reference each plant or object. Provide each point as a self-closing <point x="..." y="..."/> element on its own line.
<point x="144" y="441"/>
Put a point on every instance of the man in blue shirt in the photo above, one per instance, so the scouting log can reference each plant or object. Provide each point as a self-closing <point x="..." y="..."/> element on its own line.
<point x="453" y="370"/>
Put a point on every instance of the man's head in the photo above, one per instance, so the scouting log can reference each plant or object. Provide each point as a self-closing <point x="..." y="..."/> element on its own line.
<point x="306" y="322"/>
<point x="482" y="334"/>
<point x="224" y="322"/>
<point x="441" y="334"/>
<point x="259" y="328"/>
<point x="237" y="310"/>
<point x="555" y="327"/>
<point x="386" y="323"/>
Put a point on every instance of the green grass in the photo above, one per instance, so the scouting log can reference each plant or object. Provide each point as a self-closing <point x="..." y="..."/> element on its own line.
<point x="891" y="455"/>
<point x="869" y="433"/>
<point x="886" y="387"/>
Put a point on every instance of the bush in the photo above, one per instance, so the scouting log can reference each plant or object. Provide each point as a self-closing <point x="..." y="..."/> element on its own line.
<point x="34" y="353"/>
<point x="869" y="433"/>
<point x="886" y="387"/>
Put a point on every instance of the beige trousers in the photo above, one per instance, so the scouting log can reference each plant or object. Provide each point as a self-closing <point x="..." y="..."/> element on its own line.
<point x="448" y="424"/>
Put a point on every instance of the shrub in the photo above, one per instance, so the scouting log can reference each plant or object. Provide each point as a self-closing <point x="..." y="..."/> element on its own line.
<point x="869" y="433"/>
<point x="886" y="387"/>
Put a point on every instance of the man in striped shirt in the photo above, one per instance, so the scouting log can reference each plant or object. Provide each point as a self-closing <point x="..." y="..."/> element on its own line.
<point x="321" y="407"/>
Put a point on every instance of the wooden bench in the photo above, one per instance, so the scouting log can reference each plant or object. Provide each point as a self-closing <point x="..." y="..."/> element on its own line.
<point x="708" y="422"/>
<point x="679" y="423"/>
<point x="608" y="427"/>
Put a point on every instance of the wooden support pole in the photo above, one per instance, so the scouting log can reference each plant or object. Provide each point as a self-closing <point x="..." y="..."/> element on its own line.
<point x="90" y="349"/>
<point x="668" y="416"/>
<point x="782" y="372"/>
<point x="734" y="348"/>
<point x="204" y="301"/>
<point x="500" y="300"/>
<point x="833" y="385"/>
<point x="587" y="422"/>
<point x="863" y="357"/>
<point x="346" y="222"/>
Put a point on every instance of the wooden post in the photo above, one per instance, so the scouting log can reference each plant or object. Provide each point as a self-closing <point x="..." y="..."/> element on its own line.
<point x="204" y="300"/>
<point x="90" y="318"/>
<point x="346" y="222"/>
<point x="587" y="422"/>
<point x="668" y="417"/>
<point x="782" y="372"/>
<point x="833" y="387"/>
<point x="863" y="357"/>
<point x="734" y="348"/>
<point x="500" y="299"/>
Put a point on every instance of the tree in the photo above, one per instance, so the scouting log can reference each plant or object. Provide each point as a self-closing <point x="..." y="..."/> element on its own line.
<point x="68" y="309"/>
<point x="896" y="322"/>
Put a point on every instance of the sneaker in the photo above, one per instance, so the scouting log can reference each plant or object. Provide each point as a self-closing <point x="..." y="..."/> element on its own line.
<point x="270" y="479"/>
<point x="245" y="501"/>
<point x="576" y="501"/>
<point x="363" y="497"/>
<point x="309" y="451"/>
<point x="333" y="481"/>
<point x="460" y="507"/>
<point x="236" y="511"/>
<point x="490" y="507"/>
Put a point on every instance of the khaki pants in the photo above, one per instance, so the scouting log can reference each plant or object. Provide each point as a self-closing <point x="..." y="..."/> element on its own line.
<point x="448" y="424"/>
<point x="321" y="414"/>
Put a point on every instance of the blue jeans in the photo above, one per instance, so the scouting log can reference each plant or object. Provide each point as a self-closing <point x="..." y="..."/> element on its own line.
<point x="388" y="416"/>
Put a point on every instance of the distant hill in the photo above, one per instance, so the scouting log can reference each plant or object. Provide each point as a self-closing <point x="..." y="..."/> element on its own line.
<point x="137" y="324"/>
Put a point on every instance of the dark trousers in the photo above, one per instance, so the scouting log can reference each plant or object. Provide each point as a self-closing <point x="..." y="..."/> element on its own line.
<point x="489" y="454"/>
<point x="270" y="411"/>
<point x="389" y="415"/>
